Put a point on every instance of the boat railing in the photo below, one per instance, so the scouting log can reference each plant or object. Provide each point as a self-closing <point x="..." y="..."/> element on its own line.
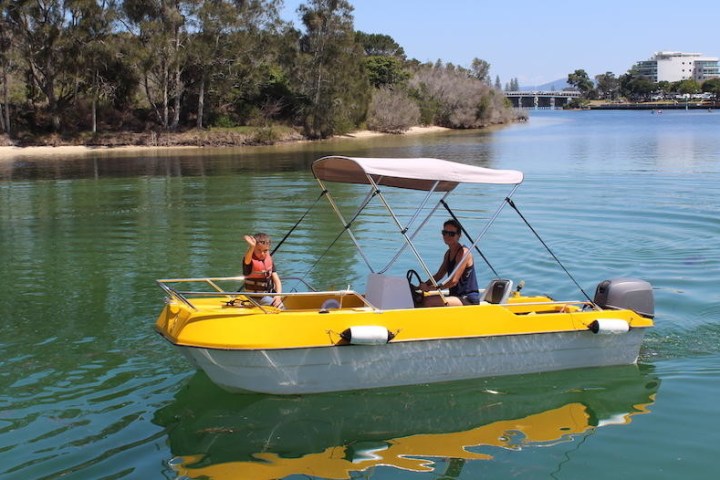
<point x="185" y="296"/>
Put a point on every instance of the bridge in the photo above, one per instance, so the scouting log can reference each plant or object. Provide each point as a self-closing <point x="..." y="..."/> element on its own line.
<point x="549" y="100"/>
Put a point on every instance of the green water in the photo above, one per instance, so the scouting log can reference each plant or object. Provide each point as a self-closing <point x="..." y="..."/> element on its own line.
<point x="89" y="391"/>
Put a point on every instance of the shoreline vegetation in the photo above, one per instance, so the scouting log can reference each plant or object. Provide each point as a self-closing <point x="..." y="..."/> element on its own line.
<point x="220" y="74"/>
<point x="173" y="141"/>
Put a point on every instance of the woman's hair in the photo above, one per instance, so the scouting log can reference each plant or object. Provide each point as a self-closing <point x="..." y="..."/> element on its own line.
<point x="454" y="223"/>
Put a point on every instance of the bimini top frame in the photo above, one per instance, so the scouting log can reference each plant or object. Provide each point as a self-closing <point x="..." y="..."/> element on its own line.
<point x="424" y="174"/>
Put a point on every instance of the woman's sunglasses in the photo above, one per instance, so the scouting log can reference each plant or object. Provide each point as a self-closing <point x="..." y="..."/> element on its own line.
<point x="448" y="232"/>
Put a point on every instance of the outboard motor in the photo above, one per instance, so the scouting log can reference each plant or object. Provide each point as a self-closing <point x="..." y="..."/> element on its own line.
<point x="626" y="293"/>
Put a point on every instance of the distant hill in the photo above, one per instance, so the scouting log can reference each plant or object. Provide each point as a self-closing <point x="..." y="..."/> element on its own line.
<point x="556" y="85"/>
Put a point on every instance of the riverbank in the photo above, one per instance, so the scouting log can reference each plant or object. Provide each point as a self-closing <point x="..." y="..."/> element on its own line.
<point x="10" y="152"/>
<point x="657" y="105"/>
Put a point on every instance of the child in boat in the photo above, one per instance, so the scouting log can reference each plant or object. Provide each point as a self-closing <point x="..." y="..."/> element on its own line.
<point x="463" y="284"/>
<point x="259" y="270"/>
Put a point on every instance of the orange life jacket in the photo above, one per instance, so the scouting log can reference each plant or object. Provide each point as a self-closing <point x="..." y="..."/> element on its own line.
<point x="260" y="277"/>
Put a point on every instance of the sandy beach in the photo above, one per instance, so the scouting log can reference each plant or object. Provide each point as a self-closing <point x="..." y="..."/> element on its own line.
<point x="9" y="153"/>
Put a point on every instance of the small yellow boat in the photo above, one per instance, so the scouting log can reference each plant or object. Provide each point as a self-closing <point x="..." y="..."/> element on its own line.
<point x="338" y="340"/>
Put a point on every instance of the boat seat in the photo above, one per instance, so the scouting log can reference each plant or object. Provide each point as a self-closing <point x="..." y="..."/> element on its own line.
<point x="497" y="291"/>
<point x="388" y="293"/>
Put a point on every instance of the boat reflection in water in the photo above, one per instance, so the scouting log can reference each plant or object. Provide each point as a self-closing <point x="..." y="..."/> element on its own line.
<point x="218" y="435"/>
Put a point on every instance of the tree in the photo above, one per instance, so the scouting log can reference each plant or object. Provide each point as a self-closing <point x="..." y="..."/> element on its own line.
<point x="376" y="44"/>
<point x="636" y="87"/>
<point x="384" y="61"/>
<point x="664" y="87"/>
<point x="498" y="85"/>
<point x="333" y="80"/>
<point x="385" y="71"/>
<point x="231" y="55"/>
<point x="513" y="85"/>
<point x="687" y="87"/>
<point x="40" y="30"/>
<point x="6" y="66"/>
<point x="481" y="70"/>
<point x="712" y="86"/>
<point x="607" y="85"/>
<point x="161" y="40"/>
<point x="98" y="71"/>
<point x="580" y="80"/>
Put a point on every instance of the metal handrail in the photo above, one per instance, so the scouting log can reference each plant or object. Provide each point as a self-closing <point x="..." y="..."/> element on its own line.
<point x="182" y="295"/>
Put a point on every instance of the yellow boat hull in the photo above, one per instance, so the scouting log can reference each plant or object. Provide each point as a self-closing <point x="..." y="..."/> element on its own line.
<point x="308" y="350"/>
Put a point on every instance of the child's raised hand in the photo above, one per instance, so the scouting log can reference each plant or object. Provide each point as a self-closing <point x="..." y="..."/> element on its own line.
<point x="250" y="240"/>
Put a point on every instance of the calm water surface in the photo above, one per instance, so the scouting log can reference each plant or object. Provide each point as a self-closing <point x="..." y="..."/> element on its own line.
<point x="89" y="391"/>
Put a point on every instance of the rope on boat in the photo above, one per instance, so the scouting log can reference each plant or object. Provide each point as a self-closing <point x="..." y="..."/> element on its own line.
<point x="452" y="214"/>
<point x="512" y="204"/>
<point x="322" y="194"/>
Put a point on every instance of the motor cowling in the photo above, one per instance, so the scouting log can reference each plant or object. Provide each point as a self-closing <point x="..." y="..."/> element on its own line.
<point x="626" y="293"/>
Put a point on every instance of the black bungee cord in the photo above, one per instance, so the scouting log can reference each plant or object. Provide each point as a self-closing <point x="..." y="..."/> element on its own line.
<point x="512" y="204"/>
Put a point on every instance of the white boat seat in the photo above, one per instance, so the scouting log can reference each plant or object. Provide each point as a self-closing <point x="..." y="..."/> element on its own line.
<point x="388" y="293"/>
<point x="497" y="291"/>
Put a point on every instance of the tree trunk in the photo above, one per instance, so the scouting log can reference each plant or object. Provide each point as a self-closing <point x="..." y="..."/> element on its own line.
<point x="94" y="103"/>
<point x="178" y="82"/>
<point x="201" y="103"/>
<point x="166" y="97"/>
<point x="94" y="115"/>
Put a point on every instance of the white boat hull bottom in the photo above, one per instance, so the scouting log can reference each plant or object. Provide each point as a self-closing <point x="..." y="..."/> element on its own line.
<point x="353" y="367"/>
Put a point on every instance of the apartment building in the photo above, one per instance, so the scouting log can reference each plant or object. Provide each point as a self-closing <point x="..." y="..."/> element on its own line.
<point x="676" y="66"/>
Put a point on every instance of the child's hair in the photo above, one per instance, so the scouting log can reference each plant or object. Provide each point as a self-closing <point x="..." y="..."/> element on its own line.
<point x="262" y="237"/>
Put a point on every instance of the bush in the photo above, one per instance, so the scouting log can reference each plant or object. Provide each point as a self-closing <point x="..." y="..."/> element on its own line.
<point x="265" y="136"/>
<point x="455" y="99"/>
<point x="392" y="111"/>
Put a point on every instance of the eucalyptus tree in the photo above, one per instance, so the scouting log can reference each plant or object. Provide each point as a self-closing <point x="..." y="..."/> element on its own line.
<point x="580" y="80"/>
<point x="40" y="32"/>
<point x="331" y="74"/>
<point x="96" y="64"/>
<point x="160" y="29"/>
<point x="231" y="50"/>
<point x="6" y="65"/>
<point x="608" y="85"/>
<point x="481" y="70"/>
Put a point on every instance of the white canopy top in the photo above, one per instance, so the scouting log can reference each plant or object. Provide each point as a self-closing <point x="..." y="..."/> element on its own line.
<point x="411" y="173"/>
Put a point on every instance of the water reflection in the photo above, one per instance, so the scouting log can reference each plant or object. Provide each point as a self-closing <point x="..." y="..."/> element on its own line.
<point x="420" y="429"/>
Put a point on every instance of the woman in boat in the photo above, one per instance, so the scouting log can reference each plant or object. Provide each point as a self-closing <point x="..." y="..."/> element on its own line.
<point x="259" y="270"/>
<point x="463" y="284"/>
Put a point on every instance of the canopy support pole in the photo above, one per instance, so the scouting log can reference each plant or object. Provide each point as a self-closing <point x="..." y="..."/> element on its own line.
<point x="417" y="230"/>
<point x="403" y="230"/>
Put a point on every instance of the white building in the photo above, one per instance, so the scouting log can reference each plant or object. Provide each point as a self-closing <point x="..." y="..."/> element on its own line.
<point x="676" y="66"/>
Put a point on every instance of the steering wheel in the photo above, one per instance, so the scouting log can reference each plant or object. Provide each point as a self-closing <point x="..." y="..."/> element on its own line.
<point x="417" y="294"/>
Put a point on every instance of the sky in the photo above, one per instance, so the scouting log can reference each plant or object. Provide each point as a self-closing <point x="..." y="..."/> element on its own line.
<point x="539" y="41"/>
